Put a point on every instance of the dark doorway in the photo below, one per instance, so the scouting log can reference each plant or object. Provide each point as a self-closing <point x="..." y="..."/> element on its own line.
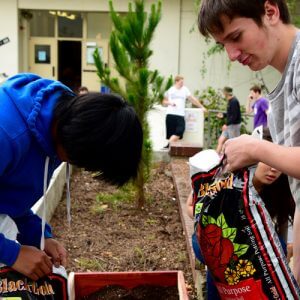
<point x="69" y="64"/>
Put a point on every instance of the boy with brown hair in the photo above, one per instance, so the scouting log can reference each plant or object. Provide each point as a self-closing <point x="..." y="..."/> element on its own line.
<point x="258" y="33"/>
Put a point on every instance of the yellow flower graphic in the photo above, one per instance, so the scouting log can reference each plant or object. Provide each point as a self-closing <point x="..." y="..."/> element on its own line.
<point x="232" y="276"/>
<point x="245" y="268"/>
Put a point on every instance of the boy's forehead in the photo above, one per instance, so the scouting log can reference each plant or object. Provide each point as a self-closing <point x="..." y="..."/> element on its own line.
<point x="218" y="32"/>
<point x="227" y="21"/>
<point x="229" y="26"/>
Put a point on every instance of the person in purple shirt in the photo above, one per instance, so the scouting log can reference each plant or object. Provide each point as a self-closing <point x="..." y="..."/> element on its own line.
<point x="259" y="106"/>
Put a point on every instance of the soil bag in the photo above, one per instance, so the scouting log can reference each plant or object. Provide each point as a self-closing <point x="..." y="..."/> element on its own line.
<point x="236" y="236"/>
<point x="14" y="285"/>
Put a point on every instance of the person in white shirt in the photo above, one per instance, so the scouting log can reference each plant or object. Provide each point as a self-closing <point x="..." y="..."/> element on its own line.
<point x="175" y="98"/>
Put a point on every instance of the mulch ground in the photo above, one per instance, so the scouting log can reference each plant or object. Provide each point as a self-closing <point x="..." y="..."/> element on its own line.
<point x="118" y="237"/>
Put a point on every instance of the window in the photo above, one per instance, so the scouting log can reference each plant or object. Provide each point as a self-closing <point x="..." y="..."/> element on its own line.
<point x="90" y="49"/>
<point x="69" y="24"/>
<point x="42" y="24"/>
<point x="98" y="23"/>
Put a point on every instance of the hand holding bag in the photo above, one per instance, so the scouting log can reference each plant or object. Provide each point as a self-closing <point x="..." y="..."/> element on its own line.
<point x="236" y="236"/>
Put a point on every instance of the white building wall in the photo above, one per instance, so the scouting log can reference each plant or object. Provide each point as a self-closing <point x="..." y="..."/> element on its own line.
<point x="9" y="62"/>
<point x="166" y="42"/>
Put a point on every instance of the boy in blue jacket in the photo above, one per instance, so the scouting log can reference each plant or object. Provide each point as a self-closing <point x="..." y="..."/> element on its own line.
<point x="42" y="120"/>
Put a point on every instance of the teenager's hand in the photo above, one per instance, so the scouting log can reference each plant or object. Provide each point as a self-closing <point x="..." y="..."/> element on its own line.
<point x="224" y="127"/>
<point x="33" y="262"/>
<point x="240" y="152"/>
<point x="56" y="251"/>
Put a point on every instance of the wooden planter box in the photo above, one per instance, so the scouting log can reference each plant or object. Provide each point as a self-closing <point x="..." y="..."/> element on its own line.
<point x="83" y="284"/>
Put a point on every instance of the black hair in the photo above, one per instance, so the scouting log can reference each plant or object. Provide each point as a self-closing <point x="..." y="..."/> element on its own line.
<point x="100" y="132"/>
<point x="211" y="11"/>
<point x="83" y="89"/>
<point x="277" y="196"/>
<point x="279" y="201"/>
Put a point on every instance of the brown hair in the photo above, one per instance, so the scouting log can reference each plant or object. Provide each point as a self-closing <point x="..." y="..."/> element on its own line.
<point x="256" y="89"/>
<point x="178" y="78"/>
<point x="209" y="18"/>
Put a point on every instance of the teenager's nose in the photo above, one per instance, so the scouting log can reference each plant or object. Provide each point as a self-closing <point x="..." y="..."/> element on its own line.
<point x="232" y="52"/>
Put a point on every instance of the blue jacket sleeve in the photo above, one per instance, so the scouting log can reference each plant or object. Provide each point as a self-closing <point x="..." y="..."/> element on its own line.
<point x="30" y="229"/>
<point x="6" y="152"/>
<point x="9" y="250"/>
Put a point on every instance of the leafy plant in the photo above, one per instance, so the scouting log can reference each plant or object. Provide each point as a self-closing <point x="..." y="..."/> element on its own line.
<point x="150" y="237"/>
<point x="130" y="46"/>
<point x="125" y="193"/>
<point x="150" y="221"/>
<point x="139" y="255"/>
<point x="181" y="256"/>
<point x="92" y="264"/>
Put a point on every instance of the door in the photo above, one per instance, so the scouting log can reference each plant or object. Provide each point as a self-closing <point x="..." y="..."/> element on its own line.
<point x="43" y="56"/>
<point x="69" y="64"/>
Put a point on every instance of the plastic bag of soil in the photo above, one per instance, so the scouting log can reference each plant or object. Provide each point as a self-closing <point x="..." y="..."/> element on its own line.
<point x="14" y="285"/>
<point x="236" y="236"/>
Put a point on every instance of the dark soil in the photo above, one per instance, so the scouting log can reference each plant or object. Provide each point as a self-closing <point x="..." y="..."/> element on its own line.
<point x="143" y="292"/>
<point x="118" y="237"/>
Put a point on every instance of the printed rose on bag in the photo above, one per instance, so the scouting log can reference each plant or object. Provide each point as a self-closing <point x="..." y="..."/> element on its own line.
<point x="221" y="252"/>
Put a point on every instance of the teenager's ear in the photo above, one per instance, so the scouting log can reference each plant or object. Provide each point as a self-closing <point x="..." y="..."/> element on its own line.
<point x="272" y="14"/>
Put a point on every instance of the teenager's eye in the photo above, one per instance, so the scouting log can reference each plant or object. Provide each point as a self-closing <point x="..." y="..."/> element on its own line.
<point x="236" y="37"/>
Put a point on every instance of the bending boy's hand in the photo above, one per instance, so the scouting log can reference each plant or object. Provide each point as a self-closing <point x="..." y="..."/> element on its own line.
<point x="33" y="263"/>
<point x="56" y="251"/>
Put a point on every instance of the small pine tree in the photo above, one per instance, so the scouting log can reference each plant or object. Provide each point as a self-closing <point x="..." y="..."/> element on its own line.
<point x="130" y="47"/>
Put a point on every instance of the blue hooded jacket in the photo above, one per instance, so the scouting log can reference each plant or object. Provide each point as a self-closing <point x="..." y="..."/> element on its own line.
<point x="27" y="102"/>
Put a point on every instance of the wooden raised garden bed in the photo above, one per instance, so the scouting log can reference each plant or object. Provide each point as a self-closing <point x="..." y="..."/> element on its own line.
<point x="81" y="285"/>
